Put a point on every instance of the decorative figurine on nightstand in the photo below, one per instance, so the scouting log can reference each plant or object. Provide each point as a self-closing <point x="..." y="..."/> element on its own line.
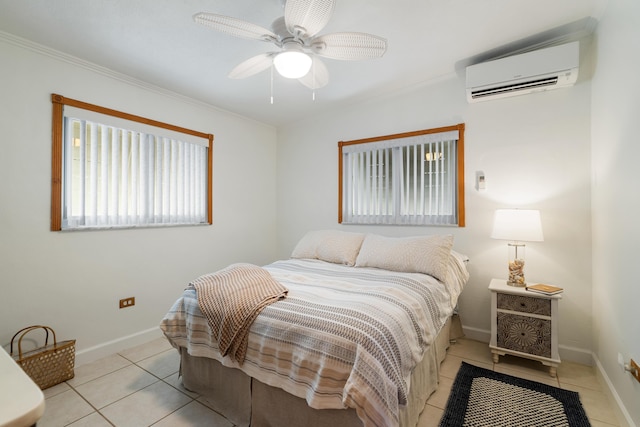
<point x="517" y="226"/>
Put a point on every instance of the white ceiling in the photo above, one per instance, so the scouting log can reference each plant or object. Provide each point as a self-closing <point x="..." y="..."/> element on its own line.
<point x="158" y="42"/>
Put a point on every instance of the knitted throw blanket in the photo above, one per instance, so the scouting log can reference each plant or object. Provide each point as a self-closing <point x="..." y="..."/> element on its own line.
<point x="231" y="299"/>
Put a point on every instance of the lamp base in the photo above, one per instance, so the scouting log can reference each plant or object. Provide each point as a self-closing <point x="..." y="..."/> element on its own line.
<point x="516" y="273"/>
<point x="516" y="284"/>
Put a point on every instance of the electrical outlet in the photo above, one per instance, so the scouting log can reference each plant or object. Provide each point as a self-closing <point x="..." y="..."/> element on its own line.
<point x="635" y="370"/>
<point x="127" y="302"/>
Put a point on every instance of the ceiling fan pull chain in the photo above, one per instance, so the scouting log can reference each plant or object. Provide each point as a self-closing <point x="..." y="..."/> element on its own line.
<point x="313" y="94"/>
<point x="272" y="84"/>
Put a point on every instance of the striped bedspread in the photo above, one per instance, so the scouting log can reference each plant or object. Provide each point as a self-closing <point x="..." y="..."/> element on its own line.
<point x="343" y="337"/>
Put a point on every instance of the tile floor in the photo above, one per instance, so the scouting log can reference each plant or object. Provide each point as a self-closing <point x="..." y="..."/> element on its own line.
<point x="140" y="387"/>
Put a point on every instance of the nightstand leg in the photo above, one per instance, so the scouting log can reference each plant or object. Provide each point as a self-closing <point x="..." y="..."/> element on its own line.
<point x="552" y="371"/>
<point x="496" y="358"/>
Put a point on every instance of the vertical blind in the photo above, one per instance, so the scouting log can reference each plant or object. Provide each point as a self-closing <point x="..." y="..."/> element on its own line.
<point x="117" y="177"/>
<point x="410" y="180"/>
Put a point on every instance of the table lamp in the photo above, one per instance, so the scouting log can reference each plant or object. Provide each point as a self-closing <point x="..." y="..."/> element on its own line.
<point x="517" y="226"/>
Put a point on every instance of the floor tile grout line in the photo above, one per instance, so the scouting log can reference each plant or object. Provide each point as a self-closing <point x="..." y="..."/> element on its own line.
<point x="96" y="410"/>
<point x="169" y="384"/>
<point x="188" y="403"/>
<point x="120" y="398"/>
<point x="131" y="394"/>
<point x="145" y="358"/>
<point x="131" y="363"/>
<point x="163" y="379"/>
<point x="185" y="391"/>
<point x="121" y="368"/>
<point x="565" y="383"/>
<point x="158" y="379"/>
<point x="101" y="376"/>
<point x="152" y="374"/>
<point x="88" y="415"/>
<point x="172" y="412"/>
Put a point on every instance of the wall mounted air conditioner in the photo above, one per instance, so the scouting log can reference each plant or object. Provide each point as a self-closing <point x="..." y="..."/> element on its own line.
<point x="535" y="71"/>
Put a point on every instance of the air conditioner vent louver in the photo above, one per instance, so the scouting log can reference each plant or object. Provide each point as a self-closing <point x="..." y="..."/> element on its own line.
<point x="515" y="87"/>
<point x="539" y="70"/>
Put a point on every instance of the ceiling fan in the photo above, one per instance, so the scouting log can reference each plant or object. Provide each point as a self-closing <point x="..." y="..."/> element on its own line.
<point x="299" y="46"/>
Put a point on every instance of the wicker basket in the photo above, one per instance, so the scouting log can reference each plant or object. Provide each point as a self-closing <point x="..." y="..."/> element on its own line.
<point x="48" y="365"/>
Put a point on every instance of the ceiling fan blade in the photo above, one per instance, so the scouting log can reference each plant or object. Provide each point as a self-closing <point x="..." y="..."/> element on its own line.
<point x="252" y="66"/>
<point x="234" y="27"/>
<point x="307" y="17"/>
<point x="349" y="46"/>
<point x="317" y="77"/>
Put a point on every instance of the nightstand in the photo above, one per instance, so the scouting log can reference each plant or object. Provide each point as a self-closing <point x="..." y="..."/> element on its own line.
<point x="524" y="324"/>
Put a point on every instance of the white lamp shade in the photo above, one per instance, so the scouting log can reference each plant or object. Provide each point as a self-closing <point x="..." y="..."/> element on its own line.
<point x="519" y="225"/>
<point x="292" y="64"/>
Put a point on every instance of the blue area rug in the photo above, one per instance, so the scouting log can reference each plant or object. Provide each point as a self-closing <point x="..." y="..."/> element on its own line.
<point x="480" y="397"/>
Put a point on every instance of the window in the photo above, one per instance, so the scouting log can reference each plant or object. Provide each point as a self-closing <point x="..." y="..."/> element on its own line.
<point x="112" y="169"/>
<point x="414" y="178"/>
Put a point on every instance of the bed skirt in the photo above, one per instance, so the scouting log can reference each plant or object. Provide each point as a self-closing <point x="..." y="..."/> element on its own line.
<point x="247" y="402"/>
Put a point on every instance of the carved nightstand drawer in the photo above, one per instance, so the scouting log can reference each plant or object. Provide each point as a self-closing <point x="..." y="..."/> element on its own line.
<point x="529" y="335"/>
<point x="524" y="324"/>
<point x="524" y="304"/>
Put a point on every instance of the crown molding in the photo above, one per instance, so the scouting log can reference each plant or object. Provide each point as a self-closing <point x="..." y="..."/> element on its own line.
<point x="115" y="75"/>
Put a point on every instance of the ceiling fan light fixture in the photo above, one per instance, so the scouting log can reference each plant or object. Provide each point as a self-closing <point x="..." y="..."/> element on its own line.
<point x="298" y="44"/>
<point x="292" y="64"/>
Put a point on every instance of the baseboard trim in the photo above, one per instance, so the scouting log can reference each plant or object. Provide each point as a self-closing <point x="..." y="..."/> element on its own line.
<point x="621" y="411"/>
<point x="94" y="353"/>
<point x="476" y="334"/>
<point x="578" y="355"/>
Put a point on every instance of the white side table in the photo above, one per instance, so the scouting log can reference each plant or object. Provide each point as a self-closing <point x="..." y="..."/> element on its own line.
<point x="524" y="323"/>
<point x="21" y="400"/>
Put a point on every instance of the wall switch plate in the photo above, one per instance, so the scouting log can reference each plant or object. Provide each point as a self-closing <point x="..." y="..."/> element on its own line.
<point x="127" y="302"/>
<point x="480" y="181"/>
<point x="621" y="360"/>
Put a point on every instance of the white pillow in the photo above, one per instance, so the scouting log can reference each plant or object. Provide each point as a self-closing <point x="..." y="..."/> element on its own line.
<point x="335" y="246"/>
<point x="461" y="257"/>
<point x="419" y="254"/>
<point x="458" y="274"/>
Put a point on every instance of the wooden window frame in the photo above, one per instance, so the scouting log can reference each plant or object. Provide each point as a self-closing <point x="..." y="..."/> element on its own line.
<point x="58" y="103"/>
<point x="459" y="164"/>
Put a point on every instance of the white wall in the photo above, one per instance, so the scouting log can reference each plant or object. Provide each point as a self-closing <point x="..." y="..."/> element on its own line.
<point x="74" y="280"/>
<point x="535" y="153"/>
<point x="616" y="198"/>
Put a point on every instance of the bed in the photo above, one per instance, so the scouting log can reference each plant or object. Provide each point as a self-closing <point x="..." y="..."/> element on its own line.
<point x="356" y="340"/>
